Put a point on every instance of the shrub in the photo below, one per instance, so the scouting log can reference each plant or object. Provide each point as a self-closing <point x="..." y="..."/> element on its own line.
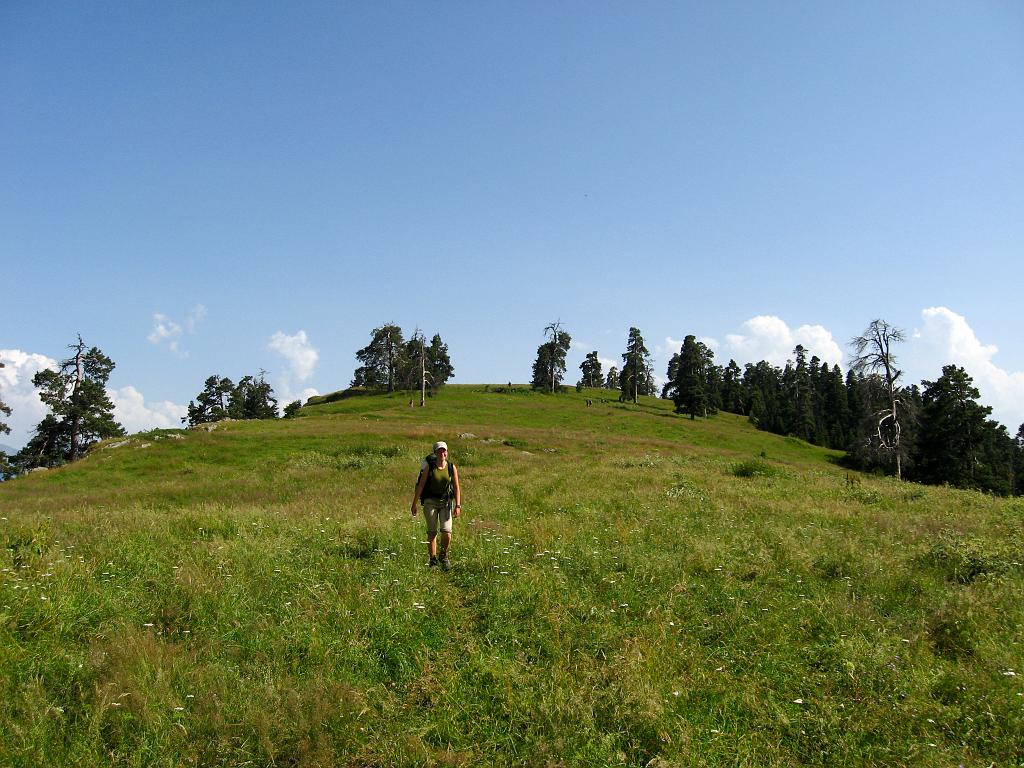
<point x="755" y="468"/>
<point x="951" y="637"/>
<point x="963" y="559"/>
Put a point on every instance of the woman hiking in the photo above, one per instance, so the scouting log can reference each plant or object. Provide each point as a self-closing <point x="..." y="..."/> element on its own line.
<point x="441" y="495"/>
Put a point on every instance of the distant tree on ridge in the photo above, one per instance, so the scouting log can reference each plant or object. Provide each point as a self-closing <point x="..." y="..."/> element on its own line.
<point x="383" y="360"/>
<point x="81" y="412"/>
<point x="591" y="368"/>
<point x="549" y="367"/>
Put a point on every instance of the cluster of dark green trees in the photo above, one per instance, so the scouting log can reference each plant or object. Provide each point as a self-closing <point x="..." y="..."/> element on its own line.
<point x="251" y="398"/>
<point x="391" y="363"/>
<point x="936" y="433"/>
<point x="80" y="412"/>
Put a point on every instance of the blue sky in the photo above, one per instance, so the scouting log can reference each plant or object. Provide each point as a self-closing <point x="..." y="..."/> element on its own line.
<point x="203" y="188"/>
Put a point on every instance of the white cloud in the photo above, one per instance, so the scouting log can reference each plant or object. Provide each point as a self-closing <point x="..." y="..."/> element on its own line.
<point x="300" y="355"/>
<point x="195" y="316"/>
<point x="163" y="328"/>
<point x="301" y="358"/>
<point x="767" y="337"/>
<point x="17" y="391"/>
<point x="945" y="337"/>
<point x="136" y="415"/>
<point x="166" y="329"/>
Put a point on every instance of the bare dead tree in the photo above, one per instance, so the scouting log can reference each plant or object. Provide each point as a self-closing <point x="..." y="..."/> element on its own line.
<point x="874" y="356"/>
<point x="553" y="329"/>
<point x="76" y="387"/>
<point x="419" y="338"/>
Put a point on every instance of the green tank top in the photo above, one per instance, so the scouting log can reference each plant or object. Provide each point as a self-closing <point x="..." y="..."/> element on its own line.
<point x="438" y="485"/>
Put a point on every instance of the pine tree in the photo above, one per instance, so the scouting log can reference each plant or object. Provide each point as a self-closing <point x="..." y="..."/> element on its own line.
<point x="691" y="380"/>
<point x="80" y="410"/>
<point x="612" y="382"/>
<point x="253" y="398"/>
<point x="762" y="386"/>
<point x="732" y="388"/>
<point x="669" y="390"/>
<point x="382" y="360"/>
<point x="713" y="380"/>
<point x="955" y="432"/>
<point x="836" y="409"/>
<point x="857" y="409"/>
<point x="802" y="398"/>
<point x="549" y="367"/>
<point x="212" y="403"/>
<point x="591" y="368"/>
<point x="995" y="472"/>
<point x="413" y="374"/>
<point x="636" y="376"/>
<point x="424" y="368"/>
<point x="786" y="401"/>
<point x="439" y="363"/>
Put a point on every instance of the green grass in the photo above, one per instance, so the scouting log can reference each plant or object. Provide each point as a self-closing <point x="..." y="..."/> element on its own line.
<point x="630" y="588"/>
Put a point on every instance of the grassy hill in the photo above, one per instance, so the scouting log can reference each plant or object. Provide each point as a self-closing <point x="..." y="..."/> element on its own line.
<point x="629" y="588"/>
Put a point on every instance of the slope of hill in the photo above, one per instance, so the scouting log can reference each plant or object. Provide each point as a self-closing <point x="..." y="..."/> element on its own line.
<point x="630" y="588"/>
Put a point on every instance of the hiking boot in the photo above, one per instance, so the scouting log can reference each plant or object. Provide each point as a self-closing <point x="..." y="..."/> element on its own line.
<point x="446" y="564"/>
<point x="433" y="562"/>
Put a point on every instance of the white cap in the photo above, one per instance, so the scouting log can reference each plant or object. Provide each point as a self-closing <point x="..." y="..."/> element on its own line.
<point x="440" y="444"/>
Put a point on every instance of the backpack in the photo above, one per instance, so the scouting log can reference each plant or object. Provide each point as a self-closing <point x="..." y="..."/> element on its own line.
<point x="431" y="460"/>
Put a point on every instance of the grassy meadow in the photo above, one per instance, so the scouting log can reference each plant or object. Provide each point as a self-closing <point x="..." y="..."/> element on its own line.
<point x="630" y="587"/>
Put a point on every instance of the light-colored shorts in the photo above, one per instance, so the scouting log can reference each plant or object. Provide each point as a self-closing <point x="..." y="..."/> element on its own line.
<point x="437" y="511"/>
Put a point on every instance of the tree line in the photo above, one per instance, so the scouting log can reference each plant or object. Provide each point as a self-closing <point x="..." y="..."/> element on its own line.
<point x="935" y="433"/>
